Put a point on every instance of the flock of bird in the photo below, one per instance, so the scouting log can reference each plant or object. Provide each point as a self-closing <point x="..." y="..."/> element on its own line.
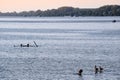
<point x="96" y="70"/>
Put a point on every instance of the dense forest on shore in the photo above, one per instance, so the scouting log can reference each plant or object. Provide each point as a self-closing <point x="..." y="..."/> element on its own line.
<point x="108" y="10"/>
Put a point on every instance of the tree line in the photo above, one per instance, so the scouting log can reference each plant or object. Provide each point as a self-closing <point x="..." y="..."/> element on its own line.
<point x="107" y="10"/>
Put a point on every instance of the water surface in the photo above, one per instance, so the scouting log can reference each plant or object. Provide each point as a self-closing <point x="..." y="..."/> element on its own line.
<point x="65" y="45"/>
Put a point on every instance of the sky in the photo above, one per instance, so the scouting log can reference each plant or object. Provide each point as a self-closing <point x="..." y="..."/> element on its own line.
<point x="27" y="5"/>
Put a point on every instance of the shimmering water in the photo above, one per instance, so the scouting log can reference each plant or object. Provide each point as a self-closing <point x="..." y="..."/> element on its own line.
<point x="64" y="46"/>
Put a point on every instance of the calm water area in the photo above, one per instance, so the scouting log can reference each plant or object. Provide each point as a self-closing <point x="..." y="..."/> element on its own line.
<point x="65" y="45"/>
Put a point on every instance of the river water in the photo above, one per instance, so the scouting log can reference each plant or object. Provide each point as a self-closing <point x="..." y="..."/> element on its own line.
<point x="65" y="45"/>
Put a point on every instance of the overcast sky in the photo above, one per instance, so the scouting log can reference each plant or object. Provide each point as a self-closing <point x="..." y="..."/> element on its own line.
<point x="21" y="5"/>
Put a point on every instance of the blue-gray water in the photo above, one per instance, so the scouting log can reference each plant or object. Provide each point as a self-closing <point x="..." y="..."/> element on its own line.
<point x="65" y="45"/>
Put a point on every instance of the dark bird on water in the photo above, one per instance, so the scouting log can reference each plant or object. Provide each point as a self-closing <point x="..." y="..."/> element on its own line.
<point x="114" y="21"/>
<point x="80" y="72"/>
<point x="100" y="69"/>
<point x="96" y="69"/>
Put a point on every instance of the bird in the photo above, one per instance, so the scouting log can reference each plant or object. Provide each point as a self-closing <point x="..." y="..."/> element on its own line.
<point x="114" y="21"/>
<point x="100" y="69"/>
<point x="80" y="72"/>
<point x="96" y="69"/>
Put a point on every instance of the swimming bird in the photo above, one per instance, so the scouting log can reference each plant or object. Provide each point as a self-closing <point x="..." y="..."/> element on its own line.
<point x="80" y="72"/>
<point x="96" y="69"/>
<point x="100" y="69"/>
<point x="114" y="21"/>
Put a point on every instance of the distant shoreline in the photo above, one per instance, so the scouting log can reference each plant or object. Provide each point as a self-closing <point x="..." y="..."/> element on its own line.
<point x="107" y="10"/>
